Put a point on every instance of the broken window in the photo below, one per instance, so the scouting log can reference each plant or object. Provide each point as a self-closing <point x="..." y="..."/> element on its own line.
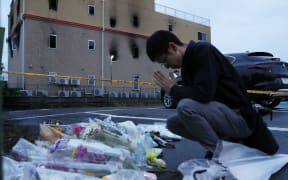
<point x="202" y="36"/>
<point x="91" y="10"/>
<point x="113" y="54"/>
<point x="135" y="21"/>
<point x="53" y="4"/>
<point x="112" y="22"/>
<point x="135" y="50"/>
<point x="91" y="44"/>
<point x="14" y="43"/>
<point x="14" y="39"/>
<point x="18" y="7"/>
<point x="170" y="27"/>
<point x="52" y="41"/>
<point x="11" y="22"/>
<point x="10" y="49"/>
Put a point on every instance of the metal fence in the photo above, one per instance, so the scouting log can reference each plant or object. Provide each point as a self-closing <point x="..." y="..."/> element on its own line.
<point x="181" y="14"/>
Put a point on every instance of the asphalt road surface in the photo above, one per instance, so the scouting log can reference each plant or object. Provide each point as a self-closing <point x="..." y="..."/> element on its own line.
<point x="185" y="149"/>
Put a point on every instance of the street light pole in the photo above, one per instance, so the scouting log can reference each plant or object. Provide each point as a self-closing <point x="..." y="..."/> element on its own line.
<point x="111" y="60"/>
<point x="103" y="44"/>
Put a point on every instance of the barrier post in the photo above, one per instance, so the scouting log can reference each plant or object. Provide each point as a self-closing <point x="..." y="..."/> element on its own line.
<point x="2" y="30"/>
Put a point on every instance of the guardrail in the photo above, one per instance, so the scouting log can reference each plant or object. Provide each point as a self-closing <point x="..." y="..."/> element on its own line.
<point x="181" y="14"/>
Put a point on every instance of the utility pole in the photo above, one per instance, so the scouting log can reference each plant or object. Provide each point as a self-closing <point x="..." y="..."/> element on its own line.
<point x="2" y="30"/>
<point x="1" y="14"/>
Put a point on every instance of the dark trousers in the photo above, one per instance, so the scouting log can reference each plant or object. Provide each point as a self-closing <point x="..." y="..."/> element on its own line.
<point x="207" y="123"/>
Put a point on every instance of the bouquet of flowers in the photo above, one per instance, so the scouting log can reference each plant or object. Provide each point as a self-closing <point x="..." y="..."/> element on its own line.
<point x="86" y="151"/>
<point x="107" y="133"/>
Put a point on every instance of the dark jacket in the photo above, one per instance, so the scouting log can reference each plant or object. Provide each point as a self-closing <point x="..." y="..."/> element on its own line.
<point x="208" y="76"/>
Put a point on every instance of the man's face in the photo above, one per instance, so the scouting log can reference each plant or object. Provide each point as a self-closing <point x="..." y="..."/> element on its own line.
<point x="171" y="59"/>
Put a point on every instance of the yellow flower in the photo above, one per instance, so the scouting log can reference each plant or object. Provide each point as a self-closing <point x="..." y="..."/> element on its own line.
<point x="74" y="152"/>
<point x="151" y="155"/>
<point x="58" y="129"/>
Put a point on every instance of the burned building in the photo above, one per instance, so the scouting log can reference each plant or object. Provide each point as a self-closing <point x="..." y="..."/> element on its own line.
<point x="102" y="40"/>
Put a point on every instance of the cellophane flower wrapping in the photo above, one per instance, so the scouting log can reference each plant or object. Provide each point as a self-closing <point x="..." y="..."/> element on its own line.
<point x="97" y="148"/>
<point x="106" y="132"/>
<point x="26" y="151"/>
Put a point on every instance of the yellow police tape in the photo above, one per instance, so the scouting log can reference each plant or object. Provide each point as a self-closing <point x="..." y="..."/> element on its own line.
<point x="272" y="93"/>
<point x="80" y="78"/>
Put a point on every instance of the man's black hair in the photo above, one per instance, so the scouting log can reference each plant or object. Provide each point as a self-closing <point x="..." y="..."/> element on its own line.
<point x="157" y="43"/>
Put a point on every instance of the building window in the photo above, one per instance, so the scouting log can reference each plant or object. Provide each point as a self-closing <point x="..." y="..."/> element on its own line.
<point x="170" y="27"/>
<point x="11" y="21"/>
<point x="91" y="10"/>
<point x="135" y="21"/>
<point x="91" y="44"/>
<point x="112" y="22"/>
<point x="52" y="80"/>
<point x="52" y="41"/>
<point x="202" y="36"/>
<point x="18" y="7"/>
<point x="91" y="80"/>
<point x="53" y="4"/>
<point x="113" y="53"/>
<point x="135" y="51"/>
<point x="136" y="82"/>
<point x="14" y="43"/>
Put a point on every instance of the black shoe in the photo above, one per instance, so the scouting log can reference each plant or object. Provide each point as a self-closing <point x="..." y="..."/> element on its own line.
<point x="208" y="155"/>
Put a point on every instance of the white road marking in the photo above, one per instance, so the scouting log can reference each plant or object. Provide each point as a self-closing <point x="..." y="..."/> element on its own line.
<point x="104" y="110"/>
<point x="280" y="110"/>
<point x="124" y="109"/>
<point x="50" y="115"/>
<point x="125" y="117"/>
<point x="19" y="111"/>
<point x="128" y="117"/>
<point x="92" y="112"/>
<point x="156" y="108"/>
<point x="278" y="129"/>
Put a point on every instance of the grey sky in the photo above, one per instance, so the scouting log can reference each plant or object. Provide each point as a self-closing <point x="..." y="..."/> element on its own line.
<point x="236" y="26"/>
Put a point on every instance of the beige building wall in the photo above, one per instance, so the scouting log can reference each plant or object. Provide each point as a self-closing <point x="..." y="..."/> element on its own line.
<point x="74" y="27"/>
<point x="75" y="11"/>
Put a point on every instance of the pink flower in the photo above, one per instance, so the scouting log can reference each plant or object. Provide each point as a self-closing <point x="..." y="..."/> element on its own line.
<point x="77" y="129"/>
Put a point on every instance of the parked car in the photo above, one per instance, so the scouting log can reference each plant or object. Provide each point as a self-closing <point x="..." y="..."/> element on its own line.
<point x="259" y="71"/>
